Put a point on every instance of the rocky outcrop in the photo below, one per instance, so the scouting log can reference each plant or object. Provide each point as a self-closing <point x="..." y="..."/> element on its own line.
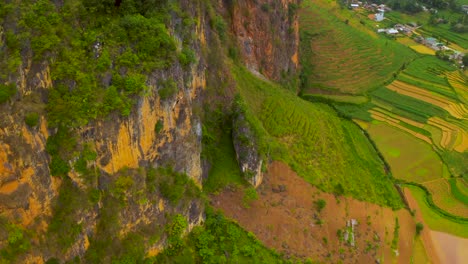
<point x="268" y="35"/>
<point x="28" y="193"/>
<point x="247" y="145"/>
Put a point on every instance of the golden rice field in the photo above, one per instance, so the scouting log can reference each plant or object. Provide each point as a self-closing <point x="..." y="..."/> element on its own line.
<point x="415" y="46"/>
<point x="377" y="114"/>
<point x="422" y="49"/>
<point x="453" y="137"/>
<point x="457" y="110"/>
<point x="459" y="84"/>
<point x="448" y="134"/>
<point x="442" y="196"/>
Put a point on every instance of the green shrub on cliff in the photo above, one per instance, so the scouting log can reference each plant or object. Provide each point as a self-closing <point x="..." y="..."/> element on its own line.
<point x="32" y="119"/>
<point x="17" y="241"/>
<point x="168" y="89"/>
<point x="6" y="92"/>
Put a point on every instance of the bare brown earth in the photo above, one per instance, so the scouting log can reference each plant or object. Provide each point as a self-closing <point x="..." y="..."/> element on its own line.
<point x="451" y="249"/>
<point x="286" y="218"/>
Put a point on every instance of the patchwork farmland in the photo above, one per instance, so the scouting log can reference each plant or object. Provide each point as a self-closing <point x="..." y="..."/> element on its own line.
<point x="416" y="109"/>
<point x="424" y="105"/>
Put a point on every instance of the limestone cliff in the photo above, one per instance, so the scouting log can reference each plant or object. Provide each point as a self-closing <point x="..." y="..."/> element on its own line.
<point x="268" y="35"/>
<point x="157" y="133"/>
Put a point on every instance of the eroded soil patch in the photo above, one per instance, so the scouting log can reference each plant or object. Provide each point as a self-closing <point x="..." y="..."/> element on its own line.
<point x="285" y="217"/>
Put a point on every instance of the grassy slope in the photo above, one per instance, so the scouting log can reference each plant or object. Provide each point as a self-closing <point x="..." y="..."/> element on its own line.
<point x="327" y="151"/>
<point x="344" y="57"/>
<point x="224" y="170"/>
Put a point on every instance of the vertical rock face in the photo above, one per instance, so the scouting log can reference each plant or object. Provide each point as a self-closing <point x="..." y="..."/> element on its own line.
<point x="26" y="188"/>
<point x="28" y="192"/>
<point x="268" y="35"/>
<point x="247" y="146"/>
<point x="268" y="40"/>
<point x="133" y="142"/>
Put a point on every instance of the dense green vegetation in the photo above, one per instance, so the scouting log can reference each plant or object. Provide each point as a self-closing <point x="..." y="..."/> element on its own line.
<point x="6" y="92"/>
<point x="99" y="56"/>
<point x="130" y="188"/>
<point x="220" y="241"/>
<point x="72" y="202"/>
<point x="32" y="119"/>
<point x="218" y="148"/>
<point x="17" y="241"/>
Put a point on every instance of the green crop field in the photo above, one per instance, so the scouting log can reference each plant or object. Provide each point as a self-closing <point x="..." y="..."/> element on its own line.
<point x="410" y="158"/>
<point x="435" y="220"/>
<point x="327" y="151"/>
<point x="338" y="55"/>
<point x="429" y="68"/>
<point x="419" y="124"/>
<point x="409" y="104"/>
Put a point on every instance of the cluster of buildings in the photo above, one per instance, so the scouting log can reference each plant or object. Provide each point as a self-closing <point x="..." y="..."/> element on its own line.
<point x="378" y="11"/>
<point x="378" y="14"/>
<point x="438" y="46"/>
<point x="399" y="28"/>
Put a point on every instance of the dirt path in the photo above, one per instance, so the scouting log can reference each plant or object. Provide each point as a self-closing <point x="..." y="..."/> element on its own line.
<point x="285" y="217"/>
<point x="426" y="232"/>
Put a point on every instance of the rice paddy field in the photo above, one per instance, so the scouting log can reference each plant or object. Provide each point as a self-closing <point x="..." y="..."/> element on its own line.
<point x="419" y="122"/>
<point x="417" y="107"/>
<point x="415" y="46"/>
<point x="410" y="158"/>
<point x="434" y="220"/>
<point x="339" y="55"/>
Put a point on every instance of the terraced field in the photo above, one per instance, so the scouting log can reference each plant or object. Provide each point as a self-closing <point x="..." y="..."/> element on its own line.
<point x="417" y="107"/>
<point x="415" y="46"/>
<point x="424" y="101"/>
<point x="420" y="124"/>
<point x="419" y="121"/>
<point x="442" y="196"/>
<point x="343" y="58"/>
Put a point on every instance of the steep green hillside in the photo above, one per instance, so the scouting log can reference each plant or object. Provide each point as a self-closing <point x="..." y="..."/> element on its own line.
<point x="329" y="152"/>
